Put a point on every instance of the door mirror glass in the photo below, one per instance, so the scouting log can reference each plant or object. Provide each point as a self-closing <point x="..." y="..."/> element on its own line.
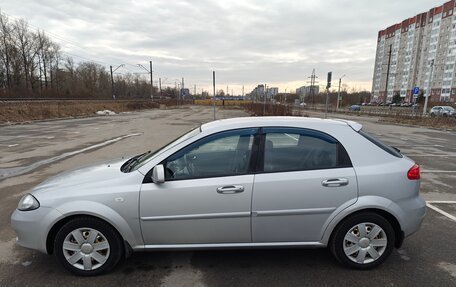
<point x="158" y="174"/>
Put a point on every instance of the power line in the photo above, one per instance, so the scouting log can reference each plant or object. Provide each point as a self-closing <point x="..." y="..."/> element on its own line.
<point x="60" y="38"/>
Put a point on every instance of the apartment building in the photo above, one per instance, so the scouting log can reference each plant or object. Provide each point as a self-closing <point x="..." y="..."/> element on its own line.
<point x="305" y="91"/>
<point x="407" y="51"/>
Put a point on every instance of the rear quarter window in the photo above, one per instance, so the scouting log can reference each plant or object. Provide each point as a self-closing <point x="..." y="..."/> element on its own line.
<point x="381" y="145"/>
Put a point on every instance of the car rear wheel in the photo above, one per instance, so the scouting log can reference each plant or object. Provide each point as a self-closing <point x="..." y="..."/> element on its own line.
<point x="88" y="246"/>
<point x="363" y="241"/>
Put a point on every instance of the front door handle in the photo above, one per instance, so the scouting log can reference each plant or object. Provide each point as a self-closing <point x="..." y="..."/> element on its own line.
<point x="230" y="189"/>
<point x="333" y="182"/>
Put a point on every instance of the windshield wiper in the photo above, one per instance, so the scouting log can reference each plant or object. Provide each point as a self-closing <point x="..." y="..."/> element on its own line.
<point x="133" y="161"/>
<point x="128" y="163"/>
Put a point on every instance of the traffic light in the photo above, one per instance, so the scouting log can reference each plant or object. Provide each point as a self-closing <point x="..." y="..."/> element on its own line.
<point x="328" y="84"/>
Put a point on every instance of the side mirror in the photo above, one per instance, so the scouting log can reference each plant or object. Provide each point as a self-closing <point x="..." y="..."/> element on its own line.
<point x="158" y="174"/>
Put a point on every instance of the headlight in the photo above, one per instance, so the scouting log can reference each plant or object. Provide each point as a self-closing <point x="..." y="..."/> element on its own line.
<point x="28" y="202"/>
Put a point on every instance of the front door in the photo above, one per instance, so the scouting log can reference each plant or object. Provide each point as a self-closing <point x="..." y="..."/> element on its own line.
<point x="206" y="197"/>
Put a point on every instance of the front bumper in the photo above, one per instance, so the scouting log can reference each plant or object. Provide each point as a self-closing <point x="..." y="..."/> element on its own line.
<point x="33" y="226"/>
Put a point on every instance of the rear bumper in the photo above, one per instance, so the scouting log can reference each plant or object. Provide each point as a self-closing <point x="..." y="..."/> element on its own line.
<point x="414" y="212"/>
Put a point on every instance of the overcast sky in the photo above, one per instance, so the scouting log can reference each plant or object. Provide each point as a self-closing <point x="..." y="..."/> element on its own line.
<point x="247" y="42"/>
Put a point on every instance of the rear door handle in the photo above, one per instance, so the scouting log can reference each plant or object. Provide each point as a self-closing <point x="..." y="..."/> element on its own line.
<point x="333" y="182"/>
<point x="230" y="189"/>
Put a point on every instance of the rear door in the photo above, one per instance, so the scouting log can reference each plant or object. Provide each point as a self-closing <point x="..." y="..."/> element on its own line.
<point x="304" y="176"/>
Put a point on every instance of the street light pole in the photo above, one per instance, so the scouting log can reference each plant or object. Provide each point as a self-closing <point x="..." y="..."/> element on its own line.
<point x="264" y="100"/>
<point x="338" y="93"/>
<point x="213" y="85"/>
<point x="428" y="92"/>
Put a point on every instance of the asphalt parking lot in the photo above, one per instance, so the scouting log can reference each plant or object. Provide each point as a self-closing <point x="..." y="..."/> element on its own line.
<point x="30" y="153"/>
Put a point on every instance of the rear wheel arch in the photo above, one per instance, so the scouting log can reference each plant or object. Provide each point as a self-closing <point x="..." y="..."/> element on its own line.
<point x="399" y="234"/>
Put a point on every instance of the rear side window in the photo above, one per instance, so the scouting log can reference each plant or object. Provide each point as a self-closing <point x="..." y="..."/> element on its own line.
<point x="381" y="145"/>
<point x="287" y="149"/>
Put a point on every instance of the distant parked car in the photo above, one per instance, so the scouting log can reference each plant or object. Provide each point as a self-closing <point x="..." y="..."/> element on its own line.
<point x="442" y="111"/>
<point x="354" y="108"/>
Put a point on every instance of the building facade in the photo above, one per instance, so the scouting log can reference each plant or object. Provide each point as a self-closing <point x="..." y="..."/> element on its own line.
<point x="271" y="92"/>
<point x="305" y="91"/>
<point x="408" y="51"/>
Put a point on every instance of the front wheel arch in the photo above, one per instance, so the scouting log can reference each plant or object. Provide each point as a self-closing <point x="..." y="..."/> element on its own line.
<point x="59" y="224"/>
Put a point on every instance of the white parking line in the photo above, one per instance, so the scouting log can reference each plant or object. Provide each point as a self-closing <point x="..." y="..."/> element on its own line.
<point x="418" y="145"/>
<point x="430" y="155"/>
<point x="441" y="211"/>
<point x="442" y="201"/>
<point x="438" y="171"/>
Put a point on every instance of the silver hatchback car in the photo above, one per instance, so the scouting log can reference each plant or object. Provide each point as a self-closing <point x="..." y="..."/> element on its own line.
<point x="243" y="182"/>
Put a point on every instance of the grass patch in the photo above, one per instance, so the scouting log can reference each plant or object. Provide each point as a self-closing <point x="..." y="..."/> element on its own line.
<point x="437" y="122"/>
<point x="42" y="110"/>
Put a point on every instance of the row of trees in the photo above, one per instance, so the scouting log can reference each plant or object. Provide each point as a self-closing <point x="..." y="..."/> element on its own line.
<point x="32" y="65"/>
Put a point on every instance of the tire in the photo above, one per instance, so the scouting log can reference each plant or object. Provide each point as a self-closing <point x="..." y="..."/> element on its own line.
<point x="432" y="115"/>
<point x="356" y="251"/>
<point x="87" y="246"/>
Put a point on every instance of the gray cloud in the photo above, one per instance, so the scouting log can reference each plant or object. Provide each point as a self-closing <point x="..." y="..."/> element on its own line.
<point x="246" y="42"/>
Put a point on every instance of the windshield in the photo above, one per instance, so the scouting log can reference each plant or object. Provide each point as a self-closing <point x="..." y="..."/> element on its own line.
<point x="137" y="161"/>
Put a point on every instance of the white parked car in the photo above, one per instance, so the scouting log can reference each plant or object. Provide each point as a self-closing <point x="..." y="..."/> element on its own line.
<point x="243" y="182"/>
<point x="443" y="111"/>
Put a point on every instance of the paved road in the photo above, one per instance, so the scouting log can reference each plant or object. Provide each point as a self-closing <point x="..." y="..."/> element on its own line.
<point x="31" y="153"/>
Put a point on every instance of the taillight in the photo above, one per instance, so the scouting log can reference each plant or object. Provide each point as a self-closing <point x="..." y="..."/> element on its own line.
<point x="414" y="172"/>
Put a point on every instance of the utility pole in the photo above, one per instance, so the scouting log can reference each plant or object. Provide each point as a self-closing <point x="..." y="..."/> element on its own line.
<point x="112" y="84"/>
<point x="242" y="90"/>
<point x="151" y="79"/>
<point x="194" y="90"/>
<point x="213" y="85"/>
<point x="227" y="90"/>
<point x="428" y="92"/>
<point x="312" y="85"/>
<point x="338" y="93"/>
<point x="112" y="79"/>
<point x="160" y="85"/>
<point x="151" y="82"/>
<point x="177" y="93"/>
<point x="387" y="72"/>
<point x="181" y="90"/>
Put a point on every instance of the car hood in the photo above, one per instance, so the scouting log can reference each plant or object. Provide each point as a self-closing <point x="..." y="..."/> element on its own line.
<point x="96" y="174"/>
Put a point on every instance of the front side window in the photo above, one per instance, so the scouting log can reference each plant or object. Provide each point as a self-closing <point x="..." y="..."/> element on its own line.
<point x="299" y="149"/>
<point x="223" y="154"/>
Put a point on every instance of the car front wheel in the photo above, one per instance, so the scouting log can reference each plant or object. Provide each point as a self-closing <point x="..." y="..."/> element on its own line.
<point x="88" y="246"/>
<point x="363" y="241"/>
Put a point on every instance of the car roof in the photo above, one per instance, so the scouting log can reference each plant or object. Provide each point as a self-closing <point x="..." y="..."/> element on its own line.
<point x="282" y="121"/>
